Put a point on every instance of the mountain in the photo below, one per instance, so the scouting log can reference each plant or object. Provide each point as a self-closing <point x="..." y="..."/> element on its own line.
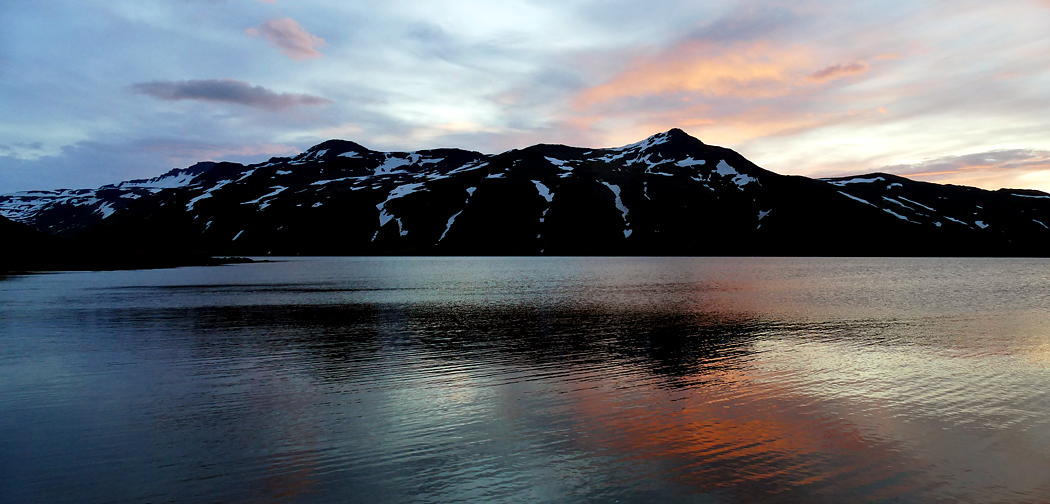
<point x="26" y="249"/>
<point x="670" y="194"/>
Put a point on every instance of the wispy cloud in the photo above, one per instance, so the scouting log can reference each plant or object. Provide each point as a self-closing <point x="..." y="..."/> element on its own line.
<point x="749" y="71"/>
<point x="290" y="37"/>
<point x="91" y="164"/>
<point x="839" y="71"/>
<point x="1017" y="168"/>
<point x="226" y="90"/>
<point x="1003" y="159"/>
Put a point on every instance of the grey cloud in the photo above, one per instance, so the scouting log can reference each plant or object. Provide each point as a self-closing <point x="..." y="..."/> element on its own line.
<point x="1005" y="159"/>
<point x="90" y="164"/>
<point x="228" y="91"/>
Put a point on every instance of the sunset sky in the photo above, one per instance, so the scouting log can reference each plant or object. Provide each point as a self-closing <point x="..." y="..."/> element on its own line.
<point x="954" y="91"/>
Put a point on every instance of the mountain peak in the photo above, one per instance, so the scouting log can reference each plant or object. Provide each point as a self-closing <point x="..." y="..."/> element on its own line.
<point x="671" y="136"/>
<point x="678" y="134"/>
<point x="332" y="148"/>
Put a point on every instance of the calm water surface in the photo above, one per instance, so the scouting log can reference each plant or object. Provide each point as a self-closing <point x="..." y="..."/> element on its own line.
<point x="530" y="380"/>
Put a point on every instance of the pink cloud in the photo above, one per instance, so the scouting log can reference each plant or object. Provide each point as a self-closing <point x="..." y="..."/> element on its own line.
<point x="746" y="71"/>
<point x="727" y="94"/>
<point x="180" y="152"/>
<point x="290" y="37"/>
<point x="839" y="71"/>
<point x="752" y="71"/>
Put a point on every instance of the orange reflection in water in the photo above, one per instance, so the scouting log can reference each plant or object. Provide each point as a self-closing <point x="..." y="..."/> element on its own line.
<point x="743" y="437"/>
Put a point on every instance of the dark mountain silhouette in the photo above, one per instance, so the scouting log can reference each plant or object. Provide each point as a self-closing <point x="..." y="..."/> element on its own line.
<point x="27" y="249"/>
<point x="670" y="194"/>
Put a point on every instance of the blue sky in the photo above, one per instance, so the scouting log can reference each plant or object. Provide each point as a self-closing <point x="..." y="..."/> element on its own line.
<point x="95" y="92"/>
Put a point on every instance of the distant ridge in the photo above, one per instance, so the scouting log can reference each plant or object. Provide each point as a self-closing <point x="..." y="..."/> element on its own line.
<point x="669" y="194"/>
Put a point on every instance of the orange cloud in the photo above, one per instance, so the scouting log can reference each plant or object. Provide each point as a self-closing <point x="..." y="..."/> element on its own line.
<point x="754" y="71"/>
<point x="290" y="37"/>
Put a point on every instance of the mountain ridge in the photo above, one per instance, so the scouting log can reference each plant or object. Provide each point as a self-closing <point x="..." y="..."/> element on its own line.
<point x="669" y="194"/>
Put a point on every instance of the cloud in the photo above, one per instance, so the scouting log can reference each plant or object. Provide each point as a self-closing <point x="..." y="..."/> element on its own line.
<point x="288" y="35"/>
<point x="90" y="164"/>
<point x="1016" y="168"/>
<point x="20" y="147"/>
<point x="838" y="71"/>
<point x="1002" y="159"/>
<point x="226" y="90"/>
<point x="751" y="71"/>
<point x="746" y="71"/>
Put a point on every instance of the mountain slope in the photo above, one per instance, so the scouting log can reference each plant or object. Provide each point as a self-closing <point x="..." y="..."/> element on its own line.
<point x="26" y="249"/>
<point x="669" y="194"/>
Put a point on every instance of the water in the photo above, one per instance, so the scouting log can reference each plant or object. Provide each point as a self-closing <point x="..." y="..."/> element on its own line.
<point x="530" y="380"/>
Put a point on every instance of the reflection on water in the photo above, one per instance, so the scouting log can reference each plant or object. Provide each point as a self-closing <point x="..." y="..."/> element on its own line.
<point x="510" y="380"/>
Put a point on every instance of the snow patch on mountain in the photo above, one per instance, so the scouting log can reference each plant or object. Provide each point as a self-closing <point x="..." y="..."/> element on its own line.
<point x="543" y="190"/>
<point x="897" y="215"/>
<point x="560" y="163"/>
<point x="105" y="209"/>
<point x="858" y="180"/>
<point x="891" y="200"/>
<point x="449" y="224"/>
<point x="473" y="165"/>
<point x="166" y="181"/>
<point x="278" y="190"/>
<point x="398" y="192"/>
<point x="402" y="191"/>
<point x="689" y="161"/>
<point x="608" y="158"/>
<point x="247" y="174"/>
<point x="653" y="141"/>
<point x="207" y="194"/>
<point x="913" y="202"/>
<point x="762" y="215"/>
<point x="620" y="206"/>
<point x="739" y="179"/>
<point x="341" y="179"/>
<point x="391" y="164"/>
<point x="852" y="197"/>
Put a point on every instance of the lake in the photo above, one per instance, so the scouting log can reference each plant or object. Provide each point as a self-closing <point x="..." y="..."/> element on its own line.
<point x="529" y="380"/>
